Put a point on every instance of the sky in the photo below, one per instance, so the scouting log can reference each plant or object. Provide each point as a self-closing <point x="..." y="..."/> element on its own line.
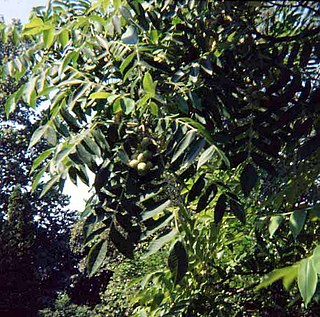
<point x="20" y="9"/>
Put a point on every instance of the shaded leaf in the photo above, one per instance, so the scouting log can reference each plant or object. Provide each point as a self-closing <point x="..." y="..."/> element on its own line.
<point x="96" y="256"/>
<point x="296" y="222"/>
<point x="125" y="246"/>
<point x="178" y="261"/>
<point x="248" y="179"/>
<point x="220" y="208"/>
<point x="158" y="208"/>
<point x="274" y="224"/>
<point x="158" y="243"/>
<point x="130" y="36"/>
<point x="196" y="188"/>
<point x="183" y="144"/>
<point x="207" y="197"/>
<point x="193" y="151"/>
<point x="237" y="210"/>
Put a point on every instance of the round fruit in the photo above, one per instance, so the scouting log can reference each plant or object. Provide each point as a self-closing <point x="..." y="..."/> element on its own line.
<point x="147" y="154"/>
<point x="142" y="168"/>
<point x="134" y="163"/>
<point x="145" y="142"/>
<point x="141" y="157"/>
<point x="149" y="166"/>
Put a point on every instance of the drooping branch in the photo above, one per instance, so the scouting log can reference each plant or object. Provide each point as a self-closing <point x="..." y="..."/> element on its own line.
<point x="304" y="34"/>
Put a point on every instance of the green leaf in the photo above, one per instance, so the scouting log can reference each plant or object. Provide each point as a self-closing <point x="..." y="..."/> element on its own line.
<point x="129" y="105"/>
<point x="49" y="185"/>
<point x="273" y="277"/>
<point x="64" y="152"/>
<point x="316" y="259"/>
<point x="37" y="179"/>
<point x="275" y="222"/>
<point x="48" y="37"/>
<point x="206" y="155"/>
<point x="154" y="109"/>
<point x="316" y="210"/>
<point x="194" y="150"/>
<point x="84" y="155"/>
<point x="157" y="209"/>
<point x="64" y="37"/>
<point x="157" y="225"/>
<point x="157" y="244"/>
<point x="41" y="158"/>
<point x="100" y="95"/>
<point x="183" y="144"/>
<point x="178" y="261"/>
<point x="33" y="27"/>
<point x="71" y="56"/>
<point x="127" y="62"/>
<point x="148" y="84"/>
<point x="37" y="135"/>
<point x="92" y="146"/>
<point x="103" y="42"/>
<point x="307" y="280"/>
<point x="29" y="92"/>
<point x="96" y="256"/>
<point x="123" y="156"/>
<point x="248" y="179"/>
<point x="290" y="276"/>
<point x="130" y="36"/>
<point x="117" y="3"/>
<point x="205" y="133"/>
<point x="296" y="222"/>
<point x="51" y="135"/>
<point x="10" y="105"/>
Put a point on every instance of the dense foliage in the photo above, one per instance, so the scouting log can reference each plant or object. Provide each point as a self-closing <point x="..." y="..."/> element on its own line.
<point x="200" y="122"/>
<point x="36" y="260"/>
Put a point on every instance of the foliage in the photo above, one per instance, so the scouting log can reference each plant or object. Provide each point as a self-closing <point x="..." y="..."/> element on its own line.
<point x="117" y="299"/>
<point x="200" y="122"/>
<point x="36" y="260"/>
<point x="17" y="237"/>
<point x="64" y="308"/>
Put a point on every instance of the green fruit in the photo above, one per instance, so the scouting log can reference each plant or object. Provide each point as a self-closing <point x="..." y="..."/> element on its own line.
<point x="142" y="168"/>
<point x="134" y="163"/>
<point x="141" y="157"/>
<point x="147" y="154"/>
<point x="145" y="142"/>
<point x="149" y="166"/>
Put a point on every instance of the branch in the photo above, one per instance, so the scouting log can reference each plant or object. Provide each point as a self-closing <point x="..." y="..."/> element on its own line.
<point x="303" y="34"/>
<point x="301" y="4"/>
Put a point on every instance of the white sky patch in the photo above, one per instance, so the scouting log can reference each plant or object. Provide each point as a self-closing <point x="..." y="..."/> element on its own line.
<point x="78" y="194"/>
<point x="19" y="9"/>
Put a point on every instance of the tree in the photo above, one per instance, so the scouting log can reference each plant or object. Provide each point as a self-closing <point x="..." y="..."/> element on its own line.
<point x="36" y="258"/>
<point x="199" y="120"/>
<point x="17" y="240"/>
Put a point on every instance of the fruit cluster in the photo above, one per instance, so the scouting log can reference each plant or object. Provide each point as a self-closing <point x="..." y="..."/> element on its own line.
<point x="141" y="160"/>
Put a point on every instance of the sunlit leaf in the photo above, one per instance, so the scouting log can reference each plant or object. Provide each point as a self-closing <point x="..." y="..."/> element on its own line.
<point x="307" y="280"/>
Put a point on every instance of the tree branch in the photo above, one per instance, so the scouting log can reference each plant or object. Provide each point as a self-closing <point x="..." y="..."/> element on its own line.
<point x="302" y="35"/>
